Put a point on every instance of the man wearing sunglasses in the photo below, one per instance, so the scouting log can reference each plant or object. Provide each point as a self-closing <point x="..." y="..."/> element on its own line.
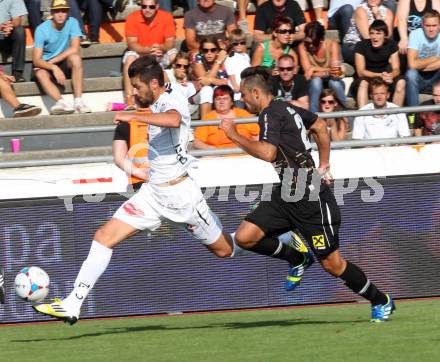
<point x="206" y="19"/>
<point x="149" y="31"/>
<point x="269" y="10"/>
<point x="290" y="86"/>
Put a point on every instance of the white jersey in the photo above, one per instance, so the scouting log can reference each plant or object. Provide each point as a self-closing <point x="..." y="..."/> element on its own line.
<point x="167" y="150"/>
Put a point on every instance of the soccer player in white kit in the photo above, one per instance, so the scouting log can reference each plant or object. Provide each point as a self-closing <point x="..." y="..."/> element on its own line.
<point x="170" y="193"/>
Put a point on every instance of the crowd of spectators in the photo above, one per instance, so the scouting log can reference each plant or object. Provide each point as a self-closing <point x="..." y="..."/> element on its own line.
<point x="394" y="48"/>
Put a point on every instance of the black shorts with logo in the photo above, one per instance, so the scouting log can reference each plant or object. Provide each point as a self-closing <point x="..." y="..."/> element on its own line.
<point x="317" y="221"/>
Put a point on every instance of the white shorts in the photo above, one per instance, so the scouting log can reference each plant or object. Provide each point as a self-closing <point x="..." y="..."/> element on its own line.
<point x="183" y="204"/>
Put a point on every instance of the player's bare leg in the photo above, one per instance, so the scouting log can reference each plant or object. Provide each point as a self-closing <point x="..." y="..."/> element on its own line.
<point x="107" y="237"/>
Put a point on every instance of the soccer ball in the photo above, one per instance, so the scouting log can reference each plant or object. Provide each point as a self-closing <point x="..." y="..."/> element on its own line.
<point x="32" y="284"/>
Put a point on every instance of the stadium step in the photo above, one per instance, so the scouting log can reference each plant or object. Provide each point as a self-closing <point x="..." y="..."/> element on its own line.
<point x="66" y="127"/>
<point x="56" y="153"/>
<point x="99" y="84"/>
<point x="98" y="92"/>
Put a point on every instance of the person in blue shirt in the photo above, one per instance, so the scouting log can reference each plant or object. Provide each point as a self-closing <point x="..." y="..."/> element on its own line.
<point x="423" y="57"/>
<point x="56" y="55"/>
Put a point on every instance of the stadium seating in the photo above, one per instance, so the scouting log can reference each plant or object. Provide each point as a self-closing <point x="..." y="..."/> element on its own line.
<point x="103" y="84"/>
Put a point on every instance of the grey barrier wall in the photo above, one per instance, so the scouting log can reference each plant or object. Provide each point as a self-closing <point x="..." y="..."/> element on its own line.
<point x="395" y="240"/>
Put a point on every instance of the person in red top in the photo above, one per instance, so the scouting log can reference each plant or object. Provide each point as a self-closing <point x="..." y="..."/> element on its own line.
<point x="149" y="31"/>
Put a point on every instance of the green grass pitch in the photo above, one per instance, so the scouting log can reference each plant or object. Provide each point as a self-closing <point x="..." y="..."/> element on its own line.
<point x="322" y="333"/>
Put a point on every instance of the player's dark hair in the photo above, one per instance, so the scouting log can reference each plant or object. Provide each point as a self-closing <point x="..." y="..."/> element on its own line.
<point x="146" y="68"/>
<point x="379" y="25"/>
<point x="315" y="32"/>
<point x="257" y="77"/>
<point x="376" y="82"/>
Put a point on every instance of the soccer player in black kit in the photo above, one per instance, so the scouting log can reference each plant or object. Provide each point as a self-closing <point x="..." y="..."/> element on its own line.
<point x="299" y="202"/>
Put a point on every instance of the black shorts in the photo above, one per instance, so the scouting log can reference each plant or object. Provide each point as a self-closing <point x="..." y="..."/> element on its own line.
<point x="62" y="65"/>
<point x="317" y="221"/>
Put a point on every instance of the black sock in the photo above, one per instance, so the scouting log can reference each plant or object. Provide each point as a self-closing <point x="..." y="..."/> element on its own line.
<point x="276" y="249"/>
<point x="357" y="281"/>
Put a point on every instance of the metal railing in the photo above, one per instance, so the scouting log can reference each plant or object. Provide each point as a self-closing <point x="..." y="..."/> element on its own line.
<point x="110" y="128"/>
<point x="216" y="152"/>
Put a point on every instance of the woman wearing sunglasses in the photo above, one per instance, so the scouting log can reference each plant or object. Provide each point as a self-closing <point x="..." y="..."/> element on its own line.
<point x="321" y="61"/>
<point x="337" y="127"/>
<point x="268" y="52"/>
<point x="209" y="70"/>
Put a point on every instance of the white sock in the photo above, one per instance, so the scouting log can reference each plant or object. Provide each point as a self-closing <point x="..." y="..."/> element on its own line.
<point x="237" y="250"/>
<point x="77" y="100"/>
<point x="91" y="269"/>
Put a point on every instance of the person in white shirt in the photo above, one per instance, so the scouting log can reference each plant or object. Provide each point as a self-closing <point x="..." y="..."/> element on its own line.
<point x="384" y="125"/>
<point x="237" y="61"/>
<point x="170" y="193"/>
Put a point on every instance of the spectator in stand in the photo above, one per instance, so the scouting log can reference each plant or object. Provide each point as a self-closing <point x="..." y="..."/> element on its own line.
<point x="290" y="86"/>
<point x="242" y="21"/>
<point x="38" y="7"/>
<point x="206" y="137"/>
<point x="167" y="5"/>
<point x="428" y="123"/>
<point x="268" y="11"/>
<point x="210" y="71"/>
<point x="207" y="19"/>
<point x="8" y="94"/>
<point x="337" y="127"/>
<point x="268" y="52"/>
<point x="237" y="61"/>
<point x="322" y="65"/>
<point x="318" y="6"/>
<point x="375" y="57"/>
<point x="409" y="18"/>
<point x="180" y="72"/>
<point x="12" y="35"/>
<point x="149" y="31"/>
<point x="95" y="12"/>
<point x="56" y="53"/>
<point x="380" y="126"/>
<point x="423" y="57"/>
<point x="180" y="69"/>
<point x="362" y="18"/>
<point x="339" y="15"/>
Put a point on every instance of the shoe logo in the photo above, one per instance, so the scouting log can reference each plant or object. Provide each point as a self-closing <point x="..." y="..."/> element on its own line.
<point x="318" y="242"/>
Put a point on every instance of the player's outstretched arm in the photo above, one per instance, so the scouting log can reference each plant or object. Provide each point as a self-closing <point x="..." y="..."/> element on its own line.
<point x="259" y="149"/>
<point x="170" y="119"/>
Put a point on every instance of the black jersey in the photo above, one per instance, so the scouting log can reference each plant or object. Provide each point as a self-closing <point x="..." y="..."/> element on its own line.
<point x="285" y="126"/>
